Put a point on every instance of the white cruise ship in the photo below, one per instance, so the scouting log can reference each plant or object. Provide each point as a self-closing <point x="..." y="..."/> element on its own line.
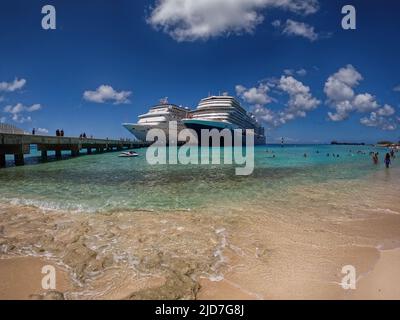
<point x="158" y="117"/>
<point x="223" y="112"/>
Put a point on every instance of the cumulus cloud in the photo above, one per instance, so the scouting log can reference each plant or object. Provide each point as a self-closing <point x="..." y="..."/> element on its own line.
<point x="375" y="120"/>
<point x="300" y="97"/>
<point x="105" y="94"/>
<point x="20" y="118"/>
<point x="386" y="111"/>
<point x="300" y="100"/>
<point x="17" y="112"/>
<point x="42" y="130"/>
<point x="339" y="89"/>
<point x="13" y="85"/>
<point x="19" y="107"/>
<point x="397" y="88"/>
<point x="254" y="96"/>
<point x="301" y="29"/>
<point x="2" y="119"/>
<point x="189" y="20"/>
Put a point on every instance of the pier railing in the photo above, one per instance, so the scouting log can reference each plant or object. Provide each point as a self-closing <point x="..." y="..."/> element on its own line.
<point x="19" y="144"/>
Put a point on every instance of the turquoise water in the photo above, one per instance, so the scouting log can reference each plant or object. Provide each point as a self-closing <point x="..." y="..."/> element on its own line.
<point x="106" y="182"/>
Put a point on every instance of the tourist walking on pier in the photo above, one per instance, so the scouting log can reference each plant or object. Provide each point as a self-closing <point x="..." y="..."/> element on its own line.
<point x="33" y="131"/>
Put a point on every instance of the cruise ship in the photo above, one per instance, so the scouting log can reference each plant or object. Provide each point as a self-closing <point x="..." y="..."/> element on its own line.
<point x="158" y="117"/>
<point x="223" y="112"/>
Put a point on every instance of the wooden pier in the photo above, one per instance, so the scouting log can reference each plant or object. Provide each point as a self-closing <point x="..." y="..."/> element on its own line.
<point x="20" y="144"/>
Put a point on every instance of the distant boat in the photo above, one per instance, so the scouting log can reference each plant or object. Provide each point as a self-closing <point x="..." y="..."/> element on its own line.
<point x="128" y="154"/>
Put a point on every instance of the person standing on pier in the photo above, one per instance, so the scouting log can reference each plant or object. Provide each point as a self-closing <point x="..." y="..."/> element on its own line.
<point x="62" y="133"/>
<point x="57" y="132"/>
<point x="33" y="131"/>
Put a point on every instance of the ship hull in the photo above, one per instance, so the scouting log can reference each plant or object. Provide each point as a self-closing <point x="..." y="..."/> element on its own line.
<point x="140" y="131"/>
<point x="198" y="125"/>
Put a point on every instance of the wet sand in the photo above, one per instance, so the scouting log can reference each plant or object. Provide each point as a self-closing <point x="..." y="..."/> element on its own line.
<point x="21" y="279"/>
<point x="184" y="256"/>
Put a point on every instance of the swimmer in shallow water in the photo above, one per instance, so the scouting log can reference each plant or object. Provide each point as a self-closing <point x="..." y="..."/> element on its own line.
<point x="375" y="158"/>
<point x="387" y="160"/>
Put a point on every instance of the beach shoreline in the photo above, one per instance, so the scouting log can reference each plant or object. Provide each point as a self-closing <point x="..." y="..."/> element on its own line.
<point x="286" y="234"/>
<point x="236" y="267"/>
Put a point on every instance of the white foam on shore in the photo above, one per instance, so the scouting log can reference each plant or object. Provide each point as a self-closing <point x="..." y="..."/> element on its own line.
<point x="385" y="210"/>
<point x="218" y="254"/>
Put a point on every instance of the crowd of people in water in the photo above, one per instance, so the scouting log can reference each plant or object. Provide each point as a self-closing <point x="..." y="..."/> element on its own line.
<point x="388" y="158"/>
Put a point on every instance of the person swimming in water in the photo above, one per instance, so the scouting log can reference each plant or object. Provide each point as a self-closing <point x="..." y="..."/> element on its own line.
<point x="387" y="160"/>
<point x="375" y="158"/>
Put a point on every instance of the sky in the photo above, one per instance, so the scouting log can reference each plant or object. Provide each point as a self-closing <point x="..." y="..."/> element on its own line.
<point x="290" y="62"/>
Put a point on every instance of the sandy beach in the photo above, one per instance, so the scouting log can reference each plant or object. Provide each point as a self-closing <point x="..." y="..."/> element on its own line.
<point x="233" y="257"/>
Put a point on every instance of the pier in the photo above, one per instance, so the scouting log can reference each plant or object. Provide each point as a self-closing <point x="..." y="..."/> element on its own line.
<point x="19" y="144"/>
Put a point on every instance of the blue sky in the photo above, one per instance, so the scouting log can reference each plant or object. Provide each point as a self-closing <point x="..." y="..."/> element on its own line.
<point x="292" y="64"/>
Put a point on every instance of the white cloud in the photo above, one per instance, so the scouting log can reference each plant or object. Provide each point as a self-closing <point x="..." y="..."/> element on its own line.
<point x="386" y="111"/>
<point x="290" y="72"/>
<point x="301" y="29"/>
<point x="21" y="119"/>
<point x="276" y="23"/>
<point x="339" y="89"/>
<point x="300" y="100"/>
<point x="12" y="86"/>
<point x="2" y="119"/>
<point x="42" y="130"/>
<point x="17" y="111"/>
<point x="106" y="93"/>
<point x="397" y="88"/>
<point x="254" y="96"/>
<point x="365" y="102"/>
<point x="189" y="20"/>
<point x="19" y="107"/>
<point x="339" y="86"/>
<point x="375" y="120"/>
<point x="301" y="72"/>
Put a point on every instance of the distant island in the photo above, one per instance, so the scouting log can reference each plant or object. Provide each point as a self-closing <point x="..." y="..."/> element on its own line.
<point x="388" y="143"/>
<point x="348" y="143"/>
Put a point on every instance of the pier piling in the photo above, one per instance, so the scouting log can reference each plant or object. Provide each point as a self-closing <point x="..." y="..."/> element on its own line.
<point x="18" y="144"/>
<point x="2" y="160"/>
<point x="19" y="159"/>
<point x="58" y="154"/>
<point x="44" y="155"/>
